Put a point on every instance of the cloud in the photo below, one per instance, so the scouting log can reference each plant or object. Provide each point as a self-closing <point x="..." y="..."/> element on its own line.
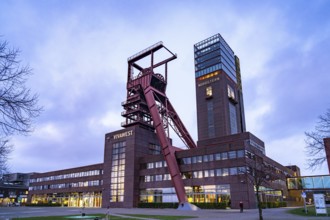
<point x="79" y="51"/>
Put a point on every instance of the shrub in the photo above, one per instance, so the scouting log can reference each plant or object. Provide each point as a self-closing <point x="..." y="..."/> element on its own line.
<point x="221" y="205"/>
<point x="43" y="204"/>
<point x="265" y="205"/>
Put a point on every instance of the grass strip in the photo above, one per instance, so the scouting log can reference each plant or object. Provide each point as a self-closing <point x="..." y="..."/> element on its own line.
<point x="310" y="211"/>
<point x="112" y="217"/>
<point x="165" y="217"/>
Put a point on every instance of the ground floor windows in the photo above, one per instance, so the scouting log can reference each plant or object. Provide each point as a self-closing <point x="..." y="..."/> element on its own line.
<point x="76" y="199"/>
<point x="195" y="194"/>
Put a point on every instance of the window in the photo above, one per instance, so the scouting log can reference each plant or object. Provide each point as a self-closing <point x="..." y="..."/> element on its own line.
<point x="158" y="177"/>
<point x="224" y="156"/>
<point x="231" y="93"/>
<point x="210" y="119"/>
<point x="158" y="164"/>
<point x="206" y="173"/>
<point x="233" y="118"/>
<point x="186" y="160"/>
<point x="225" y="172"/>
<point x="241" y="170"/>
<point x="167" y="177"/>
<point x="233" y="171"/>
<point x="240" y="153"/>
<point x="154" y="149"/>
<point x="209" y="92"/>
<point x="150" y="165"/>
<point x="232" y="154"/>
<point x="218" y="156"/>
<point x="218" y="172"/>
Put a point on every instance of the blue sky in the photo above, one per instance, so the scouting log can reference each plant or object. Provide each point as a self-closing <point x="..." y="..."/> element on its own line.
<point x="78" y="51"/>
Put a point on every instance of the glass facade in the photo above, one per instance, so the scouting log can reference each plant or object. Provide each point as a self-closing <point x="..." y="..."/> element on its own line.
<point x="69" y="175"/>
<point x="312" y="182"/>
<point x="214" y="54"/>
<point x="118" y="172"/>
<point x="67" y="185"/>
<point x="233" y="118"/>
<point x="195" y="194"/>
<point x="73" y="199"/>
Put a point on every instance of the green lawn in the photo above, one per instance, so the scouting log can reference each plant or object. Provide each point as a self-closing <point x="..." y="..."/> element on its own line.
<point x="160" y="216"/>
<point x="112" y="217"/>
<point x="310" y="209"/>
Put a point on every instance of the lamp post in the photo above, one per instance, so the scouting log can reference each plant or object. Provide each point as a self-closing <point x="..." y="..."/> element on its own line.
<point x="303" y="195"/>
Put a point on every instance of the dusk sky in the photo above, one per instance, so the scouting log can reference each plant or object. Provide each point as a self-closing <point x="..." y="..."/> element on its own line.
<point x="78" y="51"/>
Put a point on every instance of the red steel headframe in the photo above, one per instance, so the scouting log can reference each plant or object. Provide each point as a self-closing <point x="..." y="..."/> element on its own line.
<point x="153" y="87"/>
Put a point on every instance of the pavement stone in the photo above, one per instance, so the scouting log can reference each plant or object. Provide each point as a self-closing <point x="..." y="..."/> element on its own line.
<point x="7" y="213"/>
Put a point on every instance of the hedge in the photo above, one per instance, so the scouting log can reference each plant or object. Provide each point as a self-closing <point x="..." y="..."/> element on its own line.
<point x="221" y="205"/>
<point x="272" y="204"/>
<point x="43" y="204"/>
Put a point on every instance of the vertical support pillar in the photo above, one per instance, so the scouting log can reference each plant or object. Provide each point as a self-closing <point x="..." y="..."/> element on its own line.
<point x="167" y="149"/>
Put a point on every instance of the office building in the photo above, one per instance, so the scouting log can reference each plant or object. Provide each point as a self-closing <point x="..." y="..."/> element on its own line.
<point x="142" y="166"/>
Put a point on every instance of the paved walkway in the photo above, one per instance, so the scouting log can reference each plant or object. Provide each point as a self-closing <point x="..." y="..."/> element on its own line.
<point x="7" y="213"/>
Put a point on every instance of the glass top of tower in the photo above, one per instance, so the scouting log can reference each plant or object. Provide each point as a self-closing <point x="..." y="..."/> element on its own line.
<point x="214" y="54"/>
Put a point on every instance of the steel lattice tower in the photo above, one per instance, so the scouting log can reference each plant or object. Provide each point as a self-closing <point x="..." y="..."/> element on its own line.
<point x="148" y="106"/>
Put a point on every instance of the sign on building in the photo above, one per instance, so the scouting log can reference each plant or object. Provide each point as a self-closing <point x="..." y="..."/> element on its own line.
<point x="319" y="202"/>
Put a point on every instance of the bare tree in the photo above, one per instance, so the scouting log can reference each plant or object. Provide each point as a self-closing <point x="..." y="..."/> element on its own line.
<point x="18" y="107"/>
<point x="261" y="174"/>
<point x="5" y="150"/>
<point x="314" y="141"/>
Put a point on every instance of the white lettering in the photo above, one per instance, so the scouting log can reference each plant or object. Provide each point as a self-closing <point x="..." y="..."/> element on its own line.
<point x="208" y="82"/>
<point x="124" y="134"/>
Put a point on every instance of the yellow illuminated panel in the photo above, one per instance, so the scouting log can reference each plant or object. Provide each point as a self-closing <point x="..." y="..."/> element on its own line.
<point x="209" y="75"/>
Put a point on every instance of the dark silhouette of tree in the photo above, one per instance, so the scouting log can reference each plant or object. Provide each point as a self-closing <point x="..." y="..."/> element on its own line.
<point x="18" y="107"/>
<point x="261" y="174"/>
<point x="314" y="141"/>
<point x="5" y="150"/>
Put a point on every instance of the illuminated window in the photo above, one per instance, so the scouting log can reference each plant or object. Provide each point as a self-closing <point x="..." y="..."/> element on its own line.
<point x="118" y="172"/>
<point x="231" y="93"/>
<point x="209" y="91"/>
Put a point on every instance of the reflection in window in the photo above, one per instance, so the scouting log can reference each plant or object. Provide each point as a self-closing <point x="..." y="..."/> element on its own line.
<point x="307" y="182"/>
<point x="233" y="118"/>
<point x="155" y="149"/>
<point x="318" y="182"/>
<point x="326" y="181"/>
<point x="232" y="154"/>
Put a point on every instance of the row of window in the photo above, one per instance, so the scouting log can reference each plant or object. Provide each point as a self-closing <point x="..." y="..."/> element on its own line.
<point x="158" y="177"/>
<point x="67" y="185"/>
<point x="198" y="174"/>
<point x="158" y="164"/>
<point x="219" y="66"/>
<point x="214" y="172"/>
<point x="212" y="157"/>
<point x="207" y="42"/>
<point x="196" y="194"/>
<point x="67" y="176"/>
<point x="202" y="159"/>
